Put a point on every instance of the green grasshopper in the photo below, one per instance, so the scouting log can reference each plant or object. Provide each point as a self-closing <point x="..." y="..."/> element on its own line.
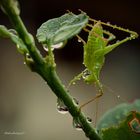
<point x="95" y="50"/>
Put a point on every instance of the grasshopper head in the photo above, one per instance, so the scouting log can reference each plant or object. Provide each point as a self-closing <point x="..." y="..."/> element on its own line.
<point x="97" y="29"/>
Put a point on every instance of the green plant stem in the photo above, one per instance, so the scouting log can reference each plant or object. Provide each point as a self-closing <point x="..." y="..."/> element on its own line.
<point x="49" y="75"/>
<point x="27" y="38"/>
<point x="48" y="72"/>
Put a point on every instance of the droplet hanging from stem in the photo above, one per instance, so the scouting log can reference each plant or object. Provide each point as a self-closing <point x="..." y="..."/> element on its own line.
<point x="61" y="107"/>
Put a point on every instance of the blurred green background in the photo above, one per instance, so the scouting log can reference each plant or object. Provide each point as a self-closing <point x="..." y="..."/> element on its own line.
<point x="28" y="106"/>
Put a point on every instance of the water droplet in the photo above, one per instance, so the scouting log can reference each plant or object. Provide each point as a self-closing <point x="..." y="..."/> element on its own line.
<point x="86" y="73"/>
<point x="118" y="96"/>
<point x="18" y="46"/>
<point x="73" y="83"/>
<point x="134" y="124"/>
<point x="79" y="40"/>
<point x="46" y="48"/>
<point x="28" y="55"/>
<point x="114" y="26"/>
<point x="76" y="124"/>
<point x="108" y="23"/>
<point x="75" y="101"/>
<point x="98" y="131"/>
<point x="55" y="46"/>
<point x="117" y="41"/>
<point x="132" y="36"/>
<point x="13" y="31"/>
<point x="61" y="107"/>
<point x="89" y="120"/>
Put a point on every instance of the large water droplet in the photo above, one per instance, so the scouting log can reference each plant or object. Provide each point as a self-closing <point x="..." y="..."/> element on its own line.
<point x="55" y="46"/>
<point x="46" y="48"/>
<point x="79" y="40"/>
<point x="86" y="73"/>
<point x="61" y="107"/>
<point x="76" y="124"/>
<point x="135" y="125"/>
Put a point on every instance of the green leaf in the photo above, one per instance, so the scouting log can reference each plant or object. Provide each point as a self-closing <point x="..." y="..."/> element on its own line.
<point x="128" y="129"/>
<point x="121" y="123"/>
<point x="60" y="29"/>
<point x="117" y="114"/>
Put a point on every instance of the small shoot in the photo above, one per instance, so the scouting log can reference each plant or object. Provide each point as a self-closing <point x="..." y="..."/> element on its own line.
<point x="12" y="34"/>
<point x="5" y="5"/>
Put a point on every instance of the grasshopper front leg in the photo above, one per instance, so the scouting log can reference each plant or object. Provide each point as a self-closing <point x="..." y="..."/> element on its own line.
<point x="79" y="76"/>
<point x="100" y="91"/>
<point x="110" y="35"/>
<point x="76" y="78"/>
<point x="109" y="48"/>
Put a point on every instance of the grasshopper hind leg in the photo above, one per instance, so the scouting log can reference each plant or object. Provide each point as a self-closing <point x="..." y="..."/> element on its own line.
<point x="100" y="93"/>
<point x="96" y="99"/>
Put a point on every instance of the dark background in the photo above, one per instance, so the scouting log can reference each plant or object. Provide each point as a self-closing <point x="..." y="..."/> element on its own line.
<point x="122" y="13"/>
<point x="28" y="105"/>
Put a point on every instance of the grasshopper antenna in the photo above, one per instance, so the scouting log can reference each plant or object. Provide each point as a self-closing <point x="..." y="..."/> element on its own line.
<point x="133" y="34"/>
